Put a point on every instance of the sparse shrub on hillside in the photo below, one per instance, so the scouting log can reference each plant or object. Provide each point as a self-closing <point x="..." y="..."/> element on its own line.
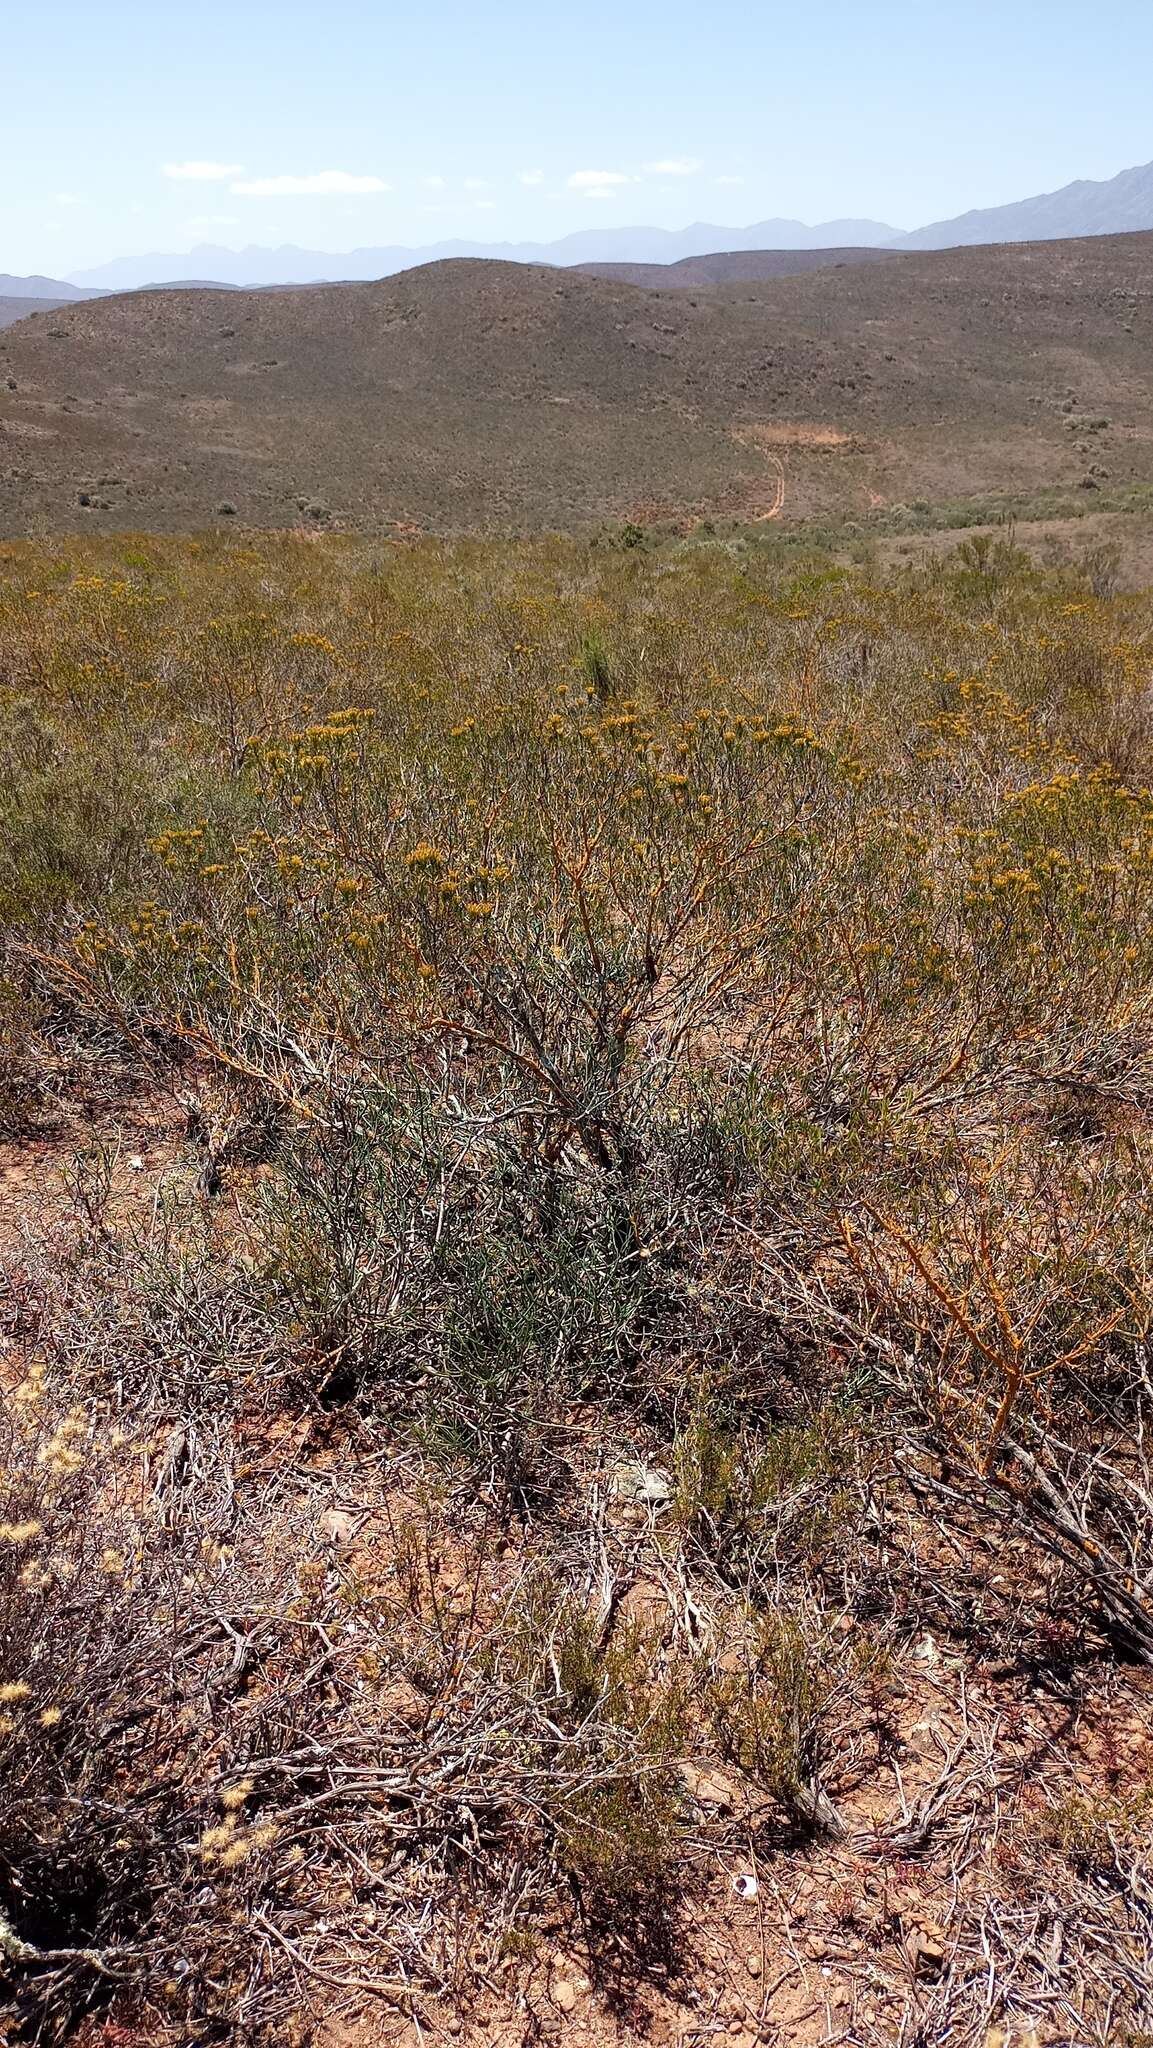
<point x="597" y="666"/>
<point x="1101" y="566"/>
<point x="988" y="559"/>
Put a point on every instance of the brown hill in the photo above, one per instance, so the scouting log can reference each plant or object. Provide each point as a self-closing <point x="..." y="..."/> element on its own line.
<point x="477" y="393"/>
<point x="13" y="309"/>
<point x="736" y="266"/>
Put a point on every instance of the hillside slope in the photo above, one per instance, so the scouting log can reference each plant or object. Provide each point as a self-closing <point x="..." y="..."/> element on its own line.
<point x="482" y="394"/>
<point x="733" y="266"/>
<point x="20" y="307"/>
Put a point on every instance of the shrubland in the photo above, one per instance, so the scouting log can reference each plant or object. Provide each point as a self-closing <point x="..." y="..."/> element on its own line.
<point x="659" y="1044"/>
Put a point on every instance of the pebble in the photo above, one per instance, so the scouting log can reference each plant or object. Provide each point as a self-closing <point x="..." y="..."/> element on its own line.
<point x="642" y="1485"/>
<point x="338" y="1527"/>
<point x="564" y="1995"/>
<point x="930" y="1956"/>
<point x="710" y="1788"/>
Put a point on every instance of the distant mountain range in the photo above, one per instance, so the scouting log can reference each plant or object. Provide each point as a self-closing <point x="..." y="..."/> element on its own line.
<point x="290" y="265"/>
<point x="1117" y="205"/>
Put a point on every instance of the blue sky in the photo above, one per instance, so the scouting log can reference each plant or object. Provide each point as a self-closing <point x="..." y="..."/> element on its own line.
<point x="340" y="122"/>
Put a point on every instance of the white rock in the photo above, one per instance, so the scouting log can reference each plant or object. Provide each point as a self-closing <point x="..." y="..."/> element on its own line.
<point x="647" y="1485"/>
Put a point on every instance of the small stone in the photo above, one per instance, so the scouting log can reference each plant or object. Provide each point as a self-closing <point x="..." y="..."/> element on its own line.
<point x="644" y="1485"/>
<point x="337" y="1526"/>
<point x="564" y="1995"/>
<point x="753" y="1965"/>
<point x="710" y="1788"/>
<point x="930" y="1956"/>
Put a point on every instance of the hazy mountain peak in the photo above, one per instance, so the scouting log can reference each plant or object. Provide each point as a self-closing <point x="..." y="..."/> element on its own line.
<point x="1105" y="206"/>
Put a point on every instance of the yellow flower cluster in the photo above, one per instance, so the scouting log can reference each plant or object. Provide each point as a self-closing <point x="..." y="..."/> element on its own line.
<point x="230" y="1842"/>
<point x="61" y="1454"/>
<point x="314" y="642"/>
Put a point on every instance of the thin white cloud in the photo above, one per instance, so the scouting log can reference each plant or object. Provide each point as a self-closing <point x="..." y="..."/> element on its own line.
<point x="312" y="185"/>
<point x="201" y="221"/>
<point x="596" y="181"/>
<point x="434" y="184"/>
<point x="674" y="166"/>
<point x="67" y="199"/>
<point x="728" y="181"/>
<point x="601" y="192"/>
<point x="532" y="177"/>
<point x="484" y="205"/>
<point x="477" y="185"/>
<point x="201" y="172"/>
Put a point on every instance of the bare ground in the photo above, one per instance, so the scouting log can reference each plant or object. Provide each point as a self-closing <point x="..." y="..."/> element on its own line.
<point x="955" y="1905"/>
